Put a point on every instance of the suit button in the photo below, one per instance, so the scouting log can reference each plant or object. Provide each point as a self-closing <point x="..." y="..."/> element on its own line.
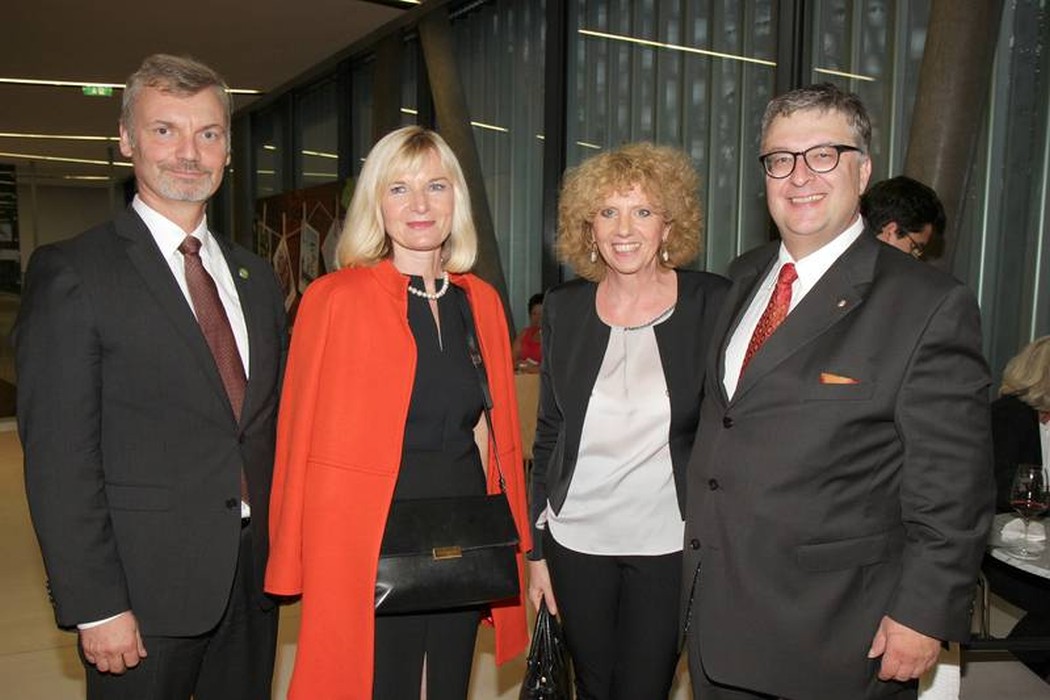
<point x="727" y="422"/>
<point x="712" y="484"/>
<point x="232" y="503"/>
<point x="694" y="543"/>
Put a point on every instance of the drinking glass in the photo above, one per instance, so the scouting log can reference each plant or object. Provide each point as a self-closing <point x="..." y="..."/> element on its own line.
<point x="1028" y="497"/>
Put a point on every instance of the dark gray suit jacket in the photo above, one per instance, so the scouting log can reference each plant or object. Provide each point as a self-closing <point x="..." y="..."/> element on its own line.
<point x="817" y="507"/>
<point x="574" y="343"/>
<point x="132" y="453"/>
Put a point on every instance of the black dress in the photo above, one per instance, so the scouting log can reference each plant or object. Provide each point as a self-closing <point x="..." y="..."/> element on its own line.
<point x="439" y="458"/>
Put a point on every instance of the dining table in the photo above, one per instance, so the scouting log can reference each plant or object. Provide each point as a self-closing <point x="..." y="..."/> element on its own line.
<point x="1002" y="549"/>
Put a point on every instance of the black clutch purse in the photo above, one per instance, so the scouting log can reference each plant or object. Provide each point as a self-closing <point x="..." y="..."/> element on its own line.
<point x="547" y="674"/>
<point x="441" y="553"/>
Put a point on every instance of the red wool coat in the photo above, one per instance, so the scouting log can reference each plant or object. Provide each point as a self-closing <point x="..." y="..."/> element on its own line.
<point x="340" y="430"/>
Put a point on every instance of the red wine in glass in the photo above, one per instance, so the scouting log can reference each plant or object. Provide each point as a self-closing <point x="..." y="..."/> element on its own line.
<point x="1028" y="496"/>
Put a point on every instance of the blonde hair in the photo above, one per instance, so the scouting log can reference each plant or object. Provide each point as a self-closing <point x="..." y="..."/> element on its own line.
<point x="364" y="240"/>
<point x="1027" y="375"/>
<point x="665" y="175"/>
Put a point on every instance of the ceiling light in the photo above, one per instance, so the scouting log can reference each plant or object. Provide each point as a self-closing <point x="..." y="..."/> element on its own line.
<point x="80" y="84"/>
<point x="58" y="137"/>
<point x="842" y="74"/>
<point x="59" y="159"/>
<point x="675" y="47"/>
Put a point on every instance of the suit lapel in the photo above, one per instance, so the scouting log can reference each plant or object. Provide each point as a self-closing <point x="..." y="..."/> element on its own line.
<point x="834" y="297"/>
<point x="584" y="358"/>
<point x="148" y="261"/>
<point x="746" y="280"/>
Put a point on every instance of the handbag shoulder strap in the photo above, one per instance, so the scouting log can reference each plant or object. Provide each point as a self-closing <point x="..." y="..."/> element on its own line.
<point x="479" y="367"/>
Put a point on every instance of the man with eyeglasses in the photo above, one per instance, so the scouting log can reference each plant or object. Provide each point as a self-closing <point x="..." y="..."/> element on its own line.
<point x="840" y="486"/>
<point x="906" y="214"/>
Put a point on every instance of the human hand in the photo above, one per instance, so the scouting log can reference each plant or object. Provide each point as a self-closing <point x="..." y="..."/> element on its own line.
<point x="905" y="653"/>
<point x="540" y="586"/>
<point x="113" y="646"/>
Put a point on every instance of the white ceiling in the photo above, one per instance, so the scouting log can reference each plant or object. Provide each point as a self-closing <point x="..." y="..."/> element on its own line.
<point x="258" y="44"/>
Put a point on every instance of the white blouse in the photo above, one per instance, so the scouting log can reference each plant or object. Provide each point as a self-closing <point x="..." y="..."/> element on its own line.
<point x="622" y="499"/>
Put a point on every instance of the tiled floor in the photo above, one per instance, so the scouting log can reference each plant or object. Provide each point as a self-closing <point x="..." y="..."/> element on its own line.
<point x="38" y="662"/>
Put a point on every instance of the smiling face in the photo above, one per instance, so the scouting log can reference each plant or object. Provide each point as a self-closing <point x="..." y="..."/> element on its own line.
<point x="628" y="229"/>
<point x="417" y="210"/>
<point x="809" y="208"/>
<point x="179" y="147"/>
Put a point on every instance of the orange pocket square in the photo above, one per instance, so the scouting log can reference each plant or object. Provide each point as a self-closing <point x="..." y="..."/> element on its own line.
<point x="829" y="378"/>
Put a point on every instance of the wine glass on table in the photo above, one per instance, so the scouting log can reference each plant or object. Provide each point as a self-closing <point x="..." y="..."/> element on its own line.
<point x="1028" y="496"/>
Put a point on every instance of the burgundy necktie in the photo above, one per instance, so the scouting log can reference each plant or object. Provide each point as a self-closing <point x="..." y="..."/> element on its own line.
<point x="776" y="311"/>
<point x="215" y="325"/>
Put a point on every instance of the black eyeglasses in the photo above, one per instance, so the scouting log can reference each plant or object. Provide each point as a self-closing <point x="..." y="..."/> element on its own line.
<point x="819" y="159"/>
<point x="917" y="249"/>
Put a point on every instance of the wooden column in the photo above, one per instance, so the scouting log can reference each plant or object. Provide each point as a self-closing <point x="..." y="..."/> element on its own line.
<point x="453" y="119"/>
<point x="949" y="106"/>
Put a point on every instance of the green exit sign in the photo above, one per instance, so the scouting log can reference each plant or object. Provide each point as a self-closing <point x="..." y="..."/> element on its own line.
<point x="97" y="90"/>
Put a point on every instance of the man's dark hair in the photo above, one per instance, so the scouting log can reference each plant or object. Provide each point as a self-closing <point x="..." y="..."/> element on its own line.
<point x="907" y="202"/>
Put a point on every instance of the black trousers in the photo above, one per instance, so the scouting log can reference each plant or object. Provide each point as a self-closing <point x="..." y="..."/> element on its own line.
<point x="444" y="639"/>
<point x="233" y="661"/>
<point x="620" y="617"/>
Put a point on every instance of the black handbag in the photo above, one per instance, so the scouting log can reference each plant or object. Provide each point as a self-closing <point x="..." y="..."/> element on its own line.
<point x="441" y="553"/>
<point x="547" y="673"/>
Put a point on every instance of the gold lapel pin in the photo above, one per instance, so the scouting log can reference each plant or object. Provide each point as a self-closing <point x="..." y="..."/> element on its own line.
<point x="243" y="272"/>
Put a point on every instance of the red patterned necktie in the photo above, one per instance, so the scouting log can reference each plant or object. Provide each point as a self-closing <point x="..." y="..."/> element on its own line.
<point x="215" y="325"/>
<point x="775" y="313"/>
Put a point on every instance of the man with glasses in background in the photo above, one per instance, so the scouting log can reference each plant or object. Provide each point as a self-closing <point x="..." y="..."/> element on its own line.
<point x="906" y="214"/>
<point x="840" y="487"/>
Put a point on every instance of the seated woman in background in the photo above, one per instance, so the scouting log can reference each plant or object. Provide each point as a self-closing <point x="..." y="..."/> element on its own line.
<point x="1021" y="435"/>
<point x="1021" y="416"/>
<point x="527" y="348"/>
<point x="620" y="390"/>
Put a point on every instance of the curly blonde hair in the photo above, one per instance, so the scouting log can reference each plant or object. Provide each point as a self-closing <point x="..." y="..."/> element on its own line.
<point x="1027" y="375"/>
<point x="665" y="175"/>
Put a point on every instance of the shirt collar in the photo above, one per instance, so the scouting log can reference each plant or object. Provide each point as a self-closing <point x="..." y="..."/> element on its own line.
<point x="167" y="233"/>
<point x="812" y="267"/>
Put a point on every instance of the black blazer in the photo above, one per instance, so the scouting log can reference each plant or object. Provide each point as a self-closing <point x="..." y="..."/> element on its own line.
<point x="1015" y="437"/>
<point x="574" y="343"/>
<point x="132" y="453"/>
<point x="819" y="503"/>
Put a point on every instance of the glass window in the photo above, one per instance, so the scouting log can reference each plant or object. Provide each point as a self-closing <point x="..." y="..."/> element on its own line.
<point x="500" y="52"/>
<point x="317" y="160"/>
<point x="268" y="140"/>
<point x="362" y="75"/>
<point x="695" y="74"/>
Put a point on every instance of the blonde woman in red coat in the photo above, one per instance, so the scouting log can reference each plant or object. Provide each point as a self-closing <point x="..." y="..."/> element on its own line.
<point x="381" y="403"/>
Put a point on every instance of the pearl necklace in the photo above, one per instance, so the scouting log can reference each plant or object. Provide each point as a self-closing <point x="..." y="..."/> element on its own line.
<point x="432" y="296"/>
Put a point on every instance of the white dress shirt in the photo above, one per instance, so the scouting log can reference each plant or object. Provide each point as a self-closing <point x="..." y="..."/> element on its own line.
<point x="169" y="236"/>
<point x="810" y="269"/>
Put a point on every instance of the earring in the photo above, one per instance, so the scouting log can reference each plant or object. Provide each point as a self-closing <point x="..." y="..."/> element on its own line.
<point x="664" y="255"/>
<point x="594" y="252"/>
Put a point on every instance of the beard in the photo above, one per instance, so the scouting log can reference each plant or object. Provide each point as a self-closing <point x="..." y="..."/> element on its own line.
<point x="172" y="187"/>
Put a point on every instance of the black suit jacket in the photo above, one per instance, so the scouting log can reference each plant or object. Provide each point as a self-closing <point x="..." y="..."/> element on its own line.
<point x="1015" y="435"/>
<point x="132" y="452"/>
<point x="574" y="343"/>
<point x="817" y="506"/>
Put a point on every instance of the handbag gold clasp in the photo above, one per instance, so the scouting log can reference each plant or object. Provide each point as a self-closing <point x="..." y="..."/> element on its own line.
<point x="452" y="552"/>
